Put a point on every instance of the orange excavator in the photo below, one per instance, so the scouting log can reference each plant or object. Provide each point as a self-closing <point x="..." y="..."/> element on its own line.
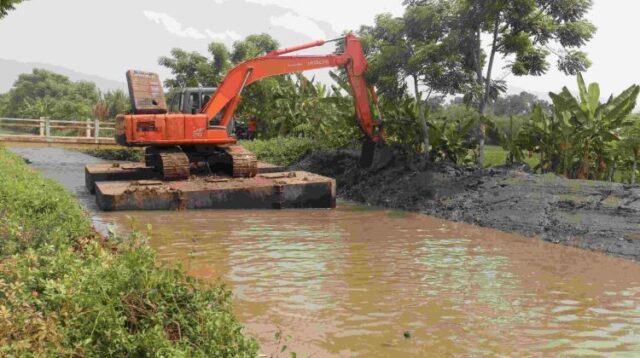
<point x="176" y="142"/>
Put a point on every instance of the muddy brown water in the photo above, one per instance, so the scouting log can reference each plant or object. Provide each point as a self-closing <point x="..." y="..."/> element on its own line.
<point x="354" y="281"/>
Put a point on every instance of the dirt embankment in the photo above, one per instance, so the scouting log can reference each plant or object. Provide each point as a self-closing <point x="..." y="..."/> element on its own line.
<point x="592" y="215"/>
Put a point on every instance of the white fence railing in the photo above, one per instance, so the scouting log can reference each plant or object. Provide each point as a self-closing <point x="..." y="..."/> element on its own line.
<point x="52" y="129"/>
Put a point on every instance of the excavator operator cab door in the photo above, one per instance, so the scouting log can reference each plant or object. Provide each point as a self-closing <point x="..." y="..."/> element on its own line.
<point x="194" y="102"/>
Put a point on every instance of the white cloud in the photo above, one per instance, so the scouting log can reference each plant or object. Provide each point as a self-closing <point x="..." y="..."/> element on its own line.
<point x="173" y="26"/>
<point x="221" y="36"/>
<point x="340" y="14"/>
<point x="299" y="23"/>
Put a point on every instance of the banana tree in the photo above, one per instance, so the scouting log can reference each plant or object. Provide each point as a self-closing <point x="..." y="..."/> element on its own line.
<point x="550" y="136"/>
<point x="449" y="139"/>
<point x="628" y="148"/>
<point x="401" y="119"/>
<point x="595" y="124"/>
<point x="511" y="139"/>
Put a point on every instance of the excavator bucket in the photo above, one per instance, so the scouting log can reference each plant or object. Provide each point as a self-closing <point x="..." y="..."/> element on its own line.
<point x="376" y="155"/>
<point x="367" y="153"/>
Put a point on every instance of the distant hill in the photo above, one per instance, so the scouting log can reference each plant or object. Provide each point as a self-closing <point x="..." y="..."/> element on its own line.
<point x="12" y="69"/>
<point x="512" y="90"/>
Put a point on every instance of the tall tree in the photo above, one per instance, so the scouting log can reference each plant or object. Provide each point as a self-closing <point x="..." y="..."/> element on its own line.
<point x="524" y="32"/>
<point x="253" y="46"/>
<point x="221" y="60"/>
<point x="190" y="69"/>
<point x="416" y="48"/>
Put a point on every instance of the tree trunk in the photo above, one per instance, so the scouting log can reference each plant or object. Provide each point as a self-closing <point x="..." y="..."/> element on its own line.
<point x="423" y="120"/>
<point x="487" y="86"/>
<point x="612" y="170"/>
<point x="633" y="171"/>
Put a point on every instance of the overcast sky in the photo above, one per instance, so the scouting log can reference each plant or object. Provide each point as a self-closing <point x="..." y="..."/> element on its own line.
<point x="106" y="38"/>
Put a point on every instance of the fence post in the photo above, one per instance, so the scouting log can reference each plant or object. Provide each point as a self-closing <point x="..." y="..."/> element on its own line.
<point x="97" y="130"/>
<point x="41" y="129"/>
<point x="88" y="128"/>
<point x="47" y="127"/>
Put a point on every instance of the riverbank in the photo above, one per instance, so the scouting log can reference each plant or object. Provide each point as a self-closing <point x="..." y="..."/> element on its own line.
<point x="592" y="215"/>
<point x="68" y="291"/>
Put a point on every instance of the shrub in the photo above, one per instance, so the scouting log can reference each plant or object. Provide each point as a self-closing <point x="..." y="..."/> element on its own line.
<point x="127" y="154"/>
<point x="282" y="151"/>
<point x="65" y="291"/>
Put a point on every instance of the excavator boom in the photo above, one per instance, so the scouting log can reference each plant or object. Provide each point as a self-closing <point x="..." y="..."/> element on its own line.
<point x="223" y="103"/>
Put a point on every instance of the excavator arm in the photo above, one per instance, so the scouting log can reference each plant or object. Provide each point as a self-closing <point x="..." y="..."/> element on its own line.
<point x="222" y="105"/>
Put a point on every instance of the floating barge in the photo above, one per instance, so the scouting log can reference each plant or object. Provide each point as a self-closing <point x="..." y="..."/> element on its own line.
<point x="133" y="186"/>
<point x="139" y="171"/>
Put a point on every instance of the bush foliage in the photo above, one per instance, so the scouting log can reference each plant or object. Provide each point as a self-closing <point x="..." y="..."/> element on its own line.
<point x="120" y="153"/>
<point x="66" y="291"/>
<point x="282" y="151"/>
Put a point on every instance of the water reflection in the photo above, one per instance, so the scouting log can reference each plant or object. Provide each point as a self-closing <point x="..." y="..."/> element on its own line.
<point x="350" y="282"/>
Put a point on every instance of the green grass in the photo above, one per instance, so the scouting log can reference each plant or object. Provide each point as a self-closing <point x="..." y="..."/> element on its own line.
<point x="66" y="291"/>
<point x="494" y="156"/>
<point x="282" y="151"/>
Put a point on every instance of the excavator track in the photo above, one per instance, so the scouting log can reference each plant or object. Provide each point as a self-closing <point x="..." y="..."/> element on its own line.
<point x="174" y="164"/>
<point x="245" y="163"/>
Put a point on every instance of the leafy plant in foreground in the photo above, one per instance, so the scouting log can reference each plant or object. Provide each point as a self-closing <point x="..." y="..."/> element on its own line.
<point x="450" y="139"/>
<point x="66" y="291"/>
<point x="511" y="139"/>
<point x="595" y="124"/>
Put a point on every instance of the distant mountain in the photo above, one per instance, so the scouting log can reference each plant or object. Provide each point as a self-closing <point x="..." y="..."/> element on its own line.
<point x="12" y="69"/>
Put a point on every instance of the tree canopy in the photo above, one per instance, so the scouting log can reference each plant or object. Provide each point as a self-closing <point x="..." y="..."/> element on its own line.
<point x="7" y="5"/>
<point x="525" y="32"/>
<point x="44" y="93"/>
<point x="516" y="105"/>
<point x="192" y="69"/>
<point x="418" y="48"/>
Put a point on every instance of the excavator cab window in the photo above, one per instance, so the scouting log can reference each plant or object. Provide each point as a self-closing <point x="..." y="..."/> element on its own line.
<point x="215" y="121"/>
<point x="205" y="99"/>
<point x="194" y="100"/>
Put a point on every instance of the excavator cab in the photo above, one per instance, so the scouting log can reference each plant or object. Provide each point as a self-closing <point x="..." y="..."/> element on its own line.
<point x="190" y="100"/>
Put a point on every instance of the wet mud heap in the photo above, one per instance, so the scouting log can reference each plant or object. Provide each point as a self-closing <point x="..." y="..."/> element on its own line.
<point x="587" y="214"/>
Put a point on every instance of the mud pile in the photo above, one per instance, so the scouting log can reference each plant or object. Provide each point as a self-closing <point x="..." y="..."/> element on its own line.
<point x="587" y="214"/>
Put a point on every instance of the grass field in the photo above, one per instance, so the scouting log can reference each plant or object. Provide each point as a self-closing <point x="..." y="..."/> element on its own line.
<point x="494" y="156"/>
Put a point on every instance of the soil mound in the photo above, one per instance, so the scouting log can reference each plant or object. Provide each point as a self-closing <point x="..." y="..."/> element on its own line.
<point x="588" y="214"/>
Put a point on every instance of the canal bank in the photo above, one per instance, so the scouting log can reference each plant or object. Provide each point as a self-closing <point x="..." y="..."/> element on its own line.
<point x="591" y="215"/>
<point x="67" y="291"/>
<point x="352" y="281"/>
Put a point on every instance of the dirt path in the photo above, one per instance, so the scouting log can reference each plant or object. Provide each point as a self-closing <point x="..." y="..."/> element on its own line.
<point x="587" y="214"/>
